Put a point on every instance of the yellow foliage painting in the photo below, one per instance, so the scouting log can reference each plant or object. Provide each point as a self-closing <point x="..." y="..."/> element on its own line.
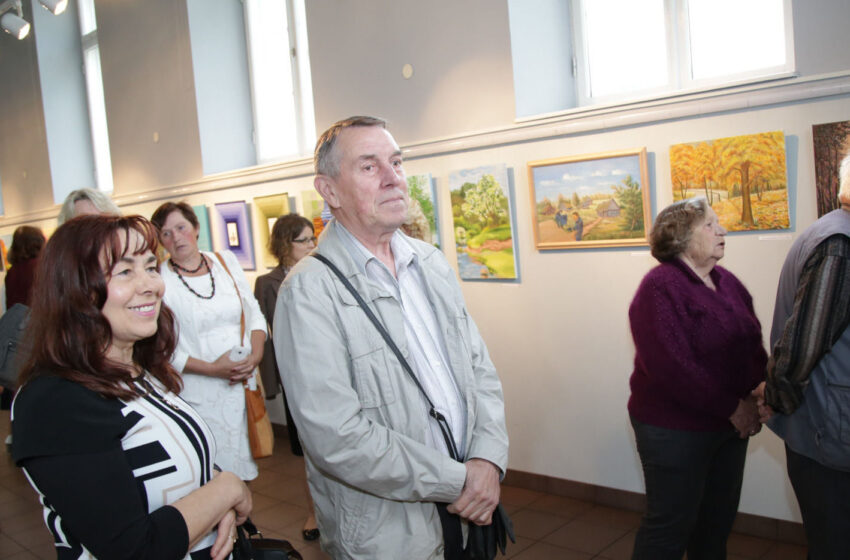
<point x="742" y="177"/>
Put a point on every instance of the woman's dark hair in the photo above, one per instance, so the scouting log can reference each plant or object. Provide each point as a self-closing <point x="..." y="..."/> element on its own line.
<point x="27" y="243"/>
<point x="286" y="230"/>
<point x="161" y="214"/>
<point x="69" y="332"/>
<point x="674" y="227"/>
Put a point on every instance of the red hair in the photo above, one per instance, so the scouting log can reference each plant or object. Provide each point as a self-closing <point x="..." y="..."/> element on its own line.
<point x="69" y="332"/>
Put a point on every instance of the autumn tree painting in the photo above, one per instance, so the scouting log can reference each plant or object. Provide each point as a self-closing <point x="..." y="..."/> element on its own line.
<point x="742" y="178"/>
<point x="832" y="143"/>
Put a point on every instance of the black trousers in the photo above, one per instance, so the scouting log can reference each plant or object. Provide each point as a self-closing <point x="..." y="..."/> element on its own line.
<point x="693" y="485"/>
<point x="824" y="497"/>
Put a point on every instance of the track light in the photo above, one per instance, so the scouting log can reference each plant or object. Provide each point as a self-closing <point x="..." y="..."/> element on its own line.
<point x="12" y="23"/>
<point x="55" y="7"/>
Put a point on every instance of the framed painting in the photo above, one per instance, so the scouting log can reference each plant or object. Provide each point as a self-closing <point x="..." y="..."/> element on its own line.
<point x="313" y="204"/>
<point x="4" y="244"/>
<point x="832" y="143"/>
<point x="587" y="201"/>
<point x="234" y="232"/>
<point x="204" y="237"/>
<point x="742" y="178"/>
<point x="481" y="211"/>
<point x="269" y="209"/>
<point x="422" y="222"/>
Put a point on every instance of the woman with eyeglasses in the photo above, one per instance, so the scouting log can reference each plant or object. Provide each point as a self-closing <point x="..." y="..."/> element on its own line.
<point x="208" y="298"/>
<point x="291" y="240"/>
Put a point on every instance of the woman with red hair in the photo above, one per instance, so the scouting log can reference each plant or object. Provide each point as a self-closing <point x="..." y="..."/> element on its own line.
<point x="123" y="466"/>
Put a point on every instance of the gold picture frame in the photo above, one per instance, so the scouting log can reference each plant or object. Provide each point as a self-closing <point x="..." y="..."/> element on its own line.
<point x="590" y="201"/>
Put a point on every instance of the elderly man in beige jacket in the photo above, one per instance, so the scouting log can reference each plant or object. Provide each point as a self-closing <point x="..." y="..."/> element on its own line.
<point x="377" y="463"/>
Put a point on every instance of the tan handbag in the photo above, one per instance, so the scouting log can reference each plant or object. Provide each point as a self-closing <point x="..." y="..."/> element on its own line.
<point x="260" y="434"/>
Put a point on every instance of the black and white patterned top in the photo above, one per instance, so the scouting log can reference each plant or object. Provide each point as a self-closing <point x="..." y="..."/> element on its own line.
<point x="106" y="469"/>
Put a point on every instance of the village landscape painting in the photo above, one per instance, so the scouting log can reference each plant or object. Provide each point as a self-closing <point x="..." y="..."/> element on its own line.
<point x="742" y="177"/>
<point x="481" y="210"/>
<point x="832" y="143"/>
<point x="597" y="200"/>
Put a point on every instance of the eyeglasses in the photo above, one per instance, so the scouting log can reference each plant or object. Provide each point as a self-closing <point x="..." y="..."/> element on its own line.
<point x="305" y="240"/>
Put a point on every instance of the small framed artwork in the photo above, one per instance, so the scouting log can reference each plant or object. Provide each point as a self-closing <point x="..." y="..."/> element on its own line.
<point x="483" y="225"/>
<point x="422" y="222"/>
<point x="587" y="201"/>
<point x="269" y="209"/>
<point x="832" y="143"/>
<point x="204" y="238"/>
<point x="4" y="260"/>
<point x="234" y="227"/>
<point x="313" y="205"/>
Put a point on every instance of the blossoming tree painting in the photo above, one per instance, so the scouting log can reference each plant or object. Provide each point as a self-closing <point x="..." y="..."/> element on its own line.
<point x="481" y="210"/>
<point x="742" y="177"/>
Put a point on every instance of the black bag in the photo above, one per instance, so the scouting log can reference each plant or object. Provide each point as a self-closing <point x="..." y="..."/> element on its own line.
<point x="14" y="346"/>
<point x="482" y="541"/>
<point x="250" y="545"/>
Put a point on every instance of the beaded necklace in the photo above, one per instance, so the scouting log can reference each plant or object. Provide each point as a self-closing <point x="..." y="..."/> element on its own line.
<point x="178" y="268"/>
<point x="186" y="270"/>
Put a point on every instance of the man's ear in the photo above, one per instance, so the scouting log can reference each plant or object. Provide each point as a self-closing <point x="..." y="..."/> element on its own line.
<point x="327" y="190"/>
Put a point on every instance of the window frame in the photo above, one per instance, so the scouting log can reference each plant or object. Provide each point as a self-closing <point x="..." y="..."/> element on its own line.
<point x="679" y="80"/>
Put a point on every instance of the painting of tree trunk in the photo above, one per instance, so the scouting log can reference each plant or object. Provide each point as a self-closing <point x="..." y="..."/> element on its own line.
<point x="832" y="143"/>
<point x="742" y="177"/>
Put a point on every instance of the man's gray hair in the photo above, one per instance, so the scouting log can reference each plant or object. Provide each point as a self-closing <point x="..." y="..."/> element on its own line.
<point x="326" y="157"/>
<point x="99" y="200"/>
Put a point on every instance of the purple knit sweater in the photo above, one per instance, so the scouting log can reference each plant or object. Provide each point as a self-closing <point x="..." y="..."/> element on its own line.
<point x="697" y="351"/>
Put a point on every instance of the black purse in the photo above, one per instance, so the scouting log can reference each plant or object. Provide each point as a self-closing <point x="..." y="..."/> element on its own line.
<point x="251" y="545"/>
<point x="482" y="540"/>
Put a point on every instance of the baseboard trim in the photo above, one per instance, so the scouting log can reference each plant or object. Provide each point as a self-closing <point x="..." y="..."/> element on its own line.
<point x="745" y="523"/>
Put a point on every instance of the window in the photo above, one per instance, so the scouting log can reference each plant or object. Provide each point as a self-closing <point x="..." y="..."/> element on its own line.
<point x="281" y="88"/>
<point x="94" y="88"/>
<point x="624" y="50"/>
<point x="629" y="48"/>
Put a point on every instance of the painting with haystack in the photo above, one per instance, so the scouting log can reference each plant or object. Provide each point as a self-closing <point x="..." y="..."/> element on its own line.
<point x="586" y="201"/>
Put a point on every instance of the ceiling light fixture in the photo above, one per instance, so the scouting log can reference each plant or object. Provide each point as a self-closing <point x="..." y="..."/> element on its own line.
<point x="11" y="19"/>
<point x="55" y="7"/>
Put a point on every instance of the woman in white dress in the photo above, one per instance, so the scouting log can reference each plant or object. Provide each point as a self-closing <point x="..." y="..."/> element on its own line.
<point x="204" y="298"/>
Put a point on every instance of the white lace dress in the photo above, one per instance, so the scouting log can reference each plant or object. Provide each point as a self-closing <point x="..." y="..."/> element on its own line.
<point x="207" y="328"/>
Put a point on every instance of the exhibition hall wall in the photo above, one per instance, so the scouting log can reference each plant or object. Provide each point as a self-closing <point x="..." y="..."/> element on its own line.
<point x="558" y="335"/>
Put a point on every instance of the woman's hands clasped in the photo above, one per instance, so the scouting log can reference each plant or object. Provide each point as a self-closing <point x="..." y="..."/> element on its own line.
<point x="236" y="372"/>
<point x="242" y="504"/>
<point x="746" y="418"/>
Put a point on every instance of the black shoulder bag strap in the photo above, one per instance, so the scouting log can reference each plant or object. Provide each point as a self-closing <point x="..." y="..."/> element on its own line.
<point x="433" y="412"/>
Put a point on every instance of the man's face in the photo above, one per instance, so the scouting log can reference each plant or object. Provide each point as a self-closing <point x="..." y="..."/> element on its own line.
<point x="369" y="195"/>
